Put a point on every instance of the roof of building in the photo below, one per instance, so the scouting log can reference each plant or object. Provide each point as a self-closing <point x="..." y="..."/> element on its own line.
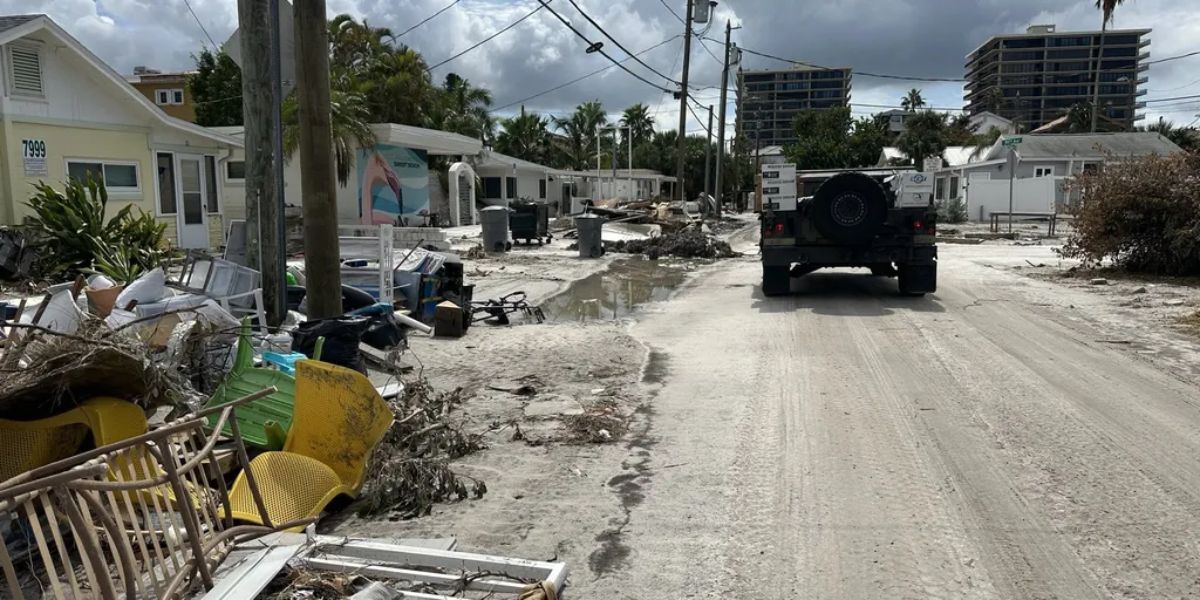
<point x="621" y="174"/>
<point x="987" y="114"/>
<point x="770" y="151"/>
<point x="794" y="68"/>
<point x="1009" y="36"/>
<point x="9" y="21"/>
<point x="433" y="141"/>
<point x="1086" y="145"/>
<point x="14" y="27"/>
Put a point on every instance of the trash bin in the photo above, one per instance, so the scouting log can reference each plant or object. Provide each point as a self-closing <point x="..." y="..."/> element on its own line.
<point x="590" y="228"/>
<point x="529" y="221"/>
<point x="495" y="229"/>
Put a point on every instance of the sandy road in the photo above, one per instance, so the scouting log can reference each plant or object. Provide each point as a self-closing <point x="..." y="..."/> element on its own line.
<point x="849" y="443"/>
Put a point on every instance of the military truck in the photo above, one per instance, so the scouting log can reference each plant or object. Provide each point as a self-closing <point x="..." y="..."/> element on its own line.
<point x="886" y="223"/>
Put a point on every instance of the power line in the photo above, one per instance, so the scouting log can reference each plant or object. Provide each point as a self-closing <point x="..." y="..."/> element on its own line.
<point x="491" y="37"/>
<point x="210" y="40"/>
<point x="618" y="44"/>
<point x="667" y="94"/>
<point x="1155" y="100"/>
<point x="428" y="19"/>
<point x="854" y="71"/>
<point x="578" y="79"/>
<point x="1170" y="58"/>
<point x="579" y="34"/>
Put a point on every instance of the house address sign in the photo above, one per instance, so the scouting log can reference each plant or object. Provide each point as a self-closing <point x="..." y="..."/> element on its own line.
<point x="33" y="154"/>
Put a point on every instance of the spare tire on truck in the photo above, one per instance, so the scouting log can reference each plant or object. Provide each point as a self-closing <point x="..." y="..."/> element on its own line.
<point x="849" y="208"/>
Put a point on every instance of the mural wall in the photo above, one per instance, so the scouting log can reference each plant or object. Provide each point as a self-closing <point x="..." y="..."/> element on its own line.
<point x="393" y="185"/>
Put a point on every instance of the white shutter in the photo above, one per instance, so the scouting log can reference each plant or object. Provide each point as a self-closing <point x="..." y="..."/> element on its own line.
<point x="26" y="70"/>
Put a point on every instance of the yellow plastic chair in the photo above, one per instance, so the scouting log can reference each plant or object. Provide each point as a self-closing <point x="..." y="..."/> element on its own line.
<point x="26" y="445"/>
<point x="339" y="420"/>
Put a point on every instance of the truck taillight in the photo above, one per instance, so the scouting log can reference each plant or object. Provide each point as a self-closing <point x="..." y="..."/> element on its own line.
<point x="918" y="226"/>
<point x="773" y="230"/>
<point x="778" y="229"/>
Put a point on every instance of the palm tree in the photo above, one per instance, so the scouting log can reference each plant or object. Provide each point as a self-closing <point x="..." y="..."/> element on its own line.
<point x="580" y="131"/>
<point x="912" y="100"/>
<point x="350" y="121"/>
<point x="1184" y="137"/>
<point x="1106" y="8"/>
<point x="637" y="118"/>
<point x="465" y="108"/>
<point x="525" y="136"/>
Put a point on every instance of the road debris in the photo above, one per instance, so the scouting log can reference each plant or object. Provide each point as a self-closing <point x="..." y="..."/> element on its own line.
<point x="687" y="243"/>
<point x="410" y="470"/>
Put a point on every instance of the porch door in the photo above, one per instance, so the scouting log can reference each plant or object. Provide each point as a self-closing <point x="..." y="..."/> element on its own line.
<point x="192" y="213"/>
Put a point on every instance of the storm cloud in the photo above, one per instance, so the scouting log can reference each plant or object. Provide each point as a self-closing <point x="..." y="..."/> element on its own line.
<point x="926" y="38"/>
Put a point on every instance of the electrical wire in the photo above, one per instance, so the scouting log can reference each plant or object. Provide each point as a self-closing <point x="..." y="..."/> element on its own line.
<point x="580" y="35"/>
<point x="667" y="94"/>
<point x="493" y="36"/>
<point x="1171" y="58"/>
<point x="618" y="44"/>
<point x="853" y="71"/>
<point x="427" y="19"/>
<point x="210" y="39"/>
<point x="578" y="79"/>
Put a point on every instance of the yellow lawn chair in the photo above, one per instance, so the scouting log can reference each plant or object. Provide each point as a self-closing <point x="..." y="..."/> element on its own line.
<point x="26" y="445"/>
<point x="339" y="419"/>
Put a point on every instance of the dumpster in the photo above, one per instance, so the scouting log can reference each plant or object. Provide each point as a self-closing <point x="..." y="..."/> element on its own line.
<point x="530" y="221"/>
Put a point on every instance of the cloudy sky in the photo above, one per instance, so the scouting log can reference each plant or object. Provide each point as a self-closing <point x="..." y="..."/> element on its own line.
<point x="927" y="38"/>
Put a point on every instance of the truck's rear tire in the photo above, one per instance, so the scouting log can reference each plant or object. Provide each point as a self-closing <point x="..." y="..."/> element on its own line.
<point x="776" y="281"/>
<point x="917" y="280"/>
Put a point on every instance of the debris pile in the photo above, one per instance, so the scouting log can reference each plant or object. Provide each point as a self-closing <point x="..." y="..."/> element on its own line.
<point x="686" y="243"/>
<point x="410" y="471"/>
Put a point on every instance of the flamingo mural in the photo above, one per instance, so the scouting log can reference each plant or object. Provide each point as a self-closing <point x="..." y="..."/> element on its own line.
<point x="392" y="184"/>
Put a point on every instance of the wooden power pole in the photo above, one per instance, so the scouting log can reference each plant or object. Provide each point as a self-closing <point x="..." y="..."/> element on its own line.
<point x="321" y="265"/>
<point x="681" y="143"/>
<point x="260" y="102"/>
<point x="720" y="183"/>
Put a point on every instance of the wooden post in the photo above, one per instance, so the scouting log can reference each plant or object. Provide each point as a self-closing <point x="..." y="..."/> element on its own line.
<point x="681" y="142"/>
<point x="321" y="266"/>
<point x="260" y="107"/>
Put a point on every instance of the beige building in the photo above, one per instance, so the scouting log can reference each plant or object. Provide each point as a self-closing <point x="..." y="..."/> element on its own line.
<point x="168" y="91"/>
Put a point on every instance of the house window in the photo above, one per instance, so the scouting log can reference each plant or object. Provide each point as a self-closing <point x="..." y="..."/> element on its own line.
<point x="168" y="97"/>
<point x="235" y="170"/>
<point x="25" y="71"/>
<point x="166" y="183"/>
<point x="210" y="182"/>
<point x="491" y="188"/>
<point x="542" y="189"/>
<point x="117" y="176"/>
<point x="941" y="188"/>
<point x="510" y="184"/>
<point x="954" y="191"/>
<point x="1043" y="172"/>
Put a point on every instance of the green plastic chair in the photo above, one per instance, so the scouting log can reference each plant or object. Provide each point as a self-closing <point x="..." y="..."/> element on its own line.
<point x="263" y="423"/>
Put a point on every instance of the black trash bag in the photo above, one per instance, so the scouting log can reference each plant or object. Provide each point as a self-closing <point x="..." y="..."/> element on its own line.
<point x="342" y="335"/>
<point x="384" y="332"/>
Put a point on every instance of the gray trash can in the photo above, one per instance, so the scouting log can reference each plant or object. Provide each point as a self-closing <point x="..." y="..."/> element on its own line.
<point x="590" y="228"/>
<point x="495" y="229"/>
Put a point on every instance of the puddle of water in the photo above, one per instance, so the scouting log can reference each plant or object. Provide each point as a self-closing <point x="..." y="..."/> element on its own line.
<point x="617" y="291"/>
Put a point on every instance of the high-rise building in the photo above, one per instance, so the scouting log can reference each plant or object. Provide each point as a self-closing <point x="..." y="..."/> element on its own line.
<point x="1036" y="77"/>
<point x="769" y="99"/>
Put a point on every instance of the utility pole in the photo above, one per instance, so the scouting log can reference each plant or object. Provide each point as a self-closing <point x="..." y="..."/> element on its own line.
<point x="258" y="21"/>
<point x="708" y="155"/>
<point x="681" y="143"/>
<point x="721" y="119"/>
<point x="321" y="266"/>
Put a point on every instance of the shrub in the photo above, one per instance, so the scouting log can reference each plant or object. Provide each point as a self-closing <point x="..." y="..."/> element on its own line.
<point x="80" y="239"/>
<point x="1143" y="214"/>
<point x="953" y="210"/>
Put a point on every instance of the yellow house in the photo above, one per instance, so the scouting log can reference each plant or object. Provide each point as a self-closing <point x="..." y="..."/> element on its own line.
<point x="64" y="113"/>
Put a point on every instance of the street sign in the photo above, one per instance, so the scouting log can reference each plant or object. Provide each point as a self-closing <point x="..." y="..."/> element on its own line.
<point x="1012" y="141"/>
<point x="779" y="186"/>
<point x="287" y="47"/>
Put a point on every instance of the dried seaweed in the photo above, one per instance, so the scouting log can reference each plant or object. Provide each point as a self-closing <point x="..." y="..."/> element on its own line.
<point x="410" y="470"/>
